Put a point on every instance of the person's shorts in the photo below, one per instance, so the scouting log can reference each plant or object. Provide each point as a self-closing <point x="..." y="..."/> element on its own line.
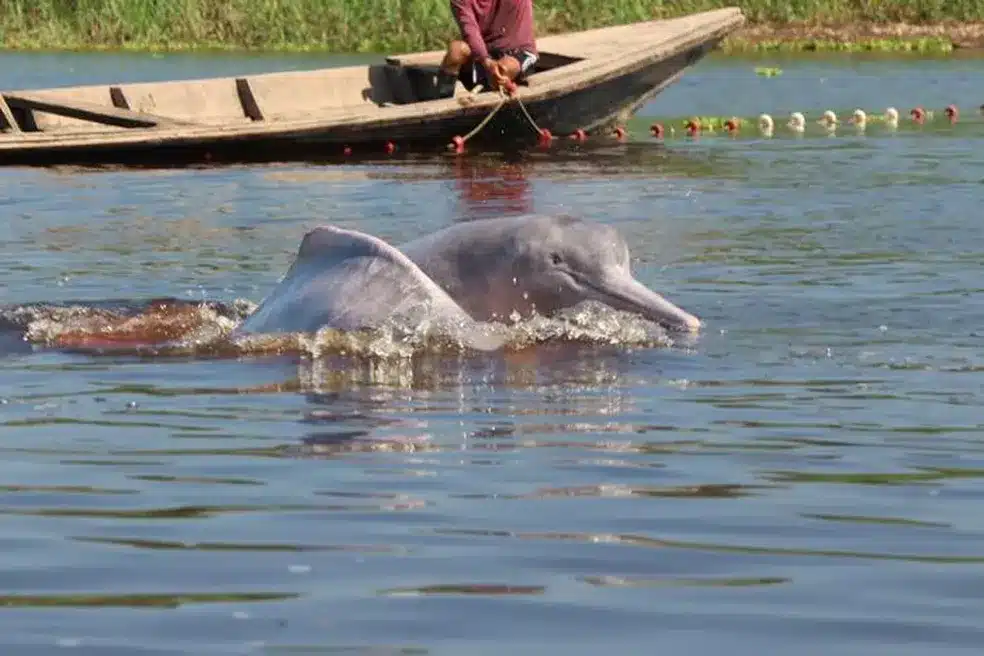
<point x="473" y="73"/>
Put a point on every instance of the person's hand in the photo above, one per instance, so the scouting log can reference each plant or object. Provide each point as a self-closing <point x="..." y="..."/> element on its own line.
<point x="496" y="76"/>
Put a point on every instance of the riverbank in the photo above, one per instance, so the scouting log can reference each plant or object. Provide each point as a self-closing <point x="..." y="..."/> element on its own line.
<point x="933" y="38"/>
<point x="354" y="26"/>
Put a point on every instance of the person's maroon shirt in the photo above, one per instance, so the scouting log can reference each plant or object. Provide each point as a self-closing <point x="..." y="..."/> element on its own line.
<point x="499" y="24"/>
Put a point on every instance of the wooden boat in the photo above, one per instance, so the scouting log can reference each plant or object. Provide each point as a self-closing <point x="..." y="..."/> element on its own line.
<point x="591" y="81"/>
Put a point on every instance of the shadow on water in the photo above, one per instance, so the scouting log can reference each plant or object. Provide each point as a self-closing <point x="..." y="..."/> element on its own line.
<point x="600" y="156"/>
<point x="137" y="600"/>
<point x="489" y="184"/>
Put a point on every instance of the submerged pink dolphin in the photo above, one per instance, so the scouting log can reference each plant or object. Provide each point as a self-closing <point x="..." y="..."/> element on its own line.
<point x="468" y="273"/>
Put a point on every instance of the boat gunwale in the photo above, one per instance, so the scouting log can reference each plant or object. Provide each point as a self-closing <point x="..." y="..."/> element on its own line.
<point x="543" y="87"/>
<point x="554" y="42"/>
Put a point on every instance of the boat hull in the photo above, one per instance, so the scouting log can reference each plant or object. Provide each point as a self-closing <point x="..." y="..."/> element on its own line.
<point x="595" y="101"/>
<point x="598" y="109"/>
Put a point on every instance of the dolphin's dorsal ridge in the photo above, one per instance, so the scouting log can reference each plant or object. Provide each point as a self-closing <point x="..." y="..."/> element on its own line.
<point x="350" y="280"/>
<point x="463" y="274"/>
<point x="332" y="241"/>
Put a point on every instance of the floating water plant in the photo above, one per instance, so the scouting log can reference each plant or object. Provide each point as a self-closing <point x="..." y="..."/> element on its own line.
<point x="923" y="45"/>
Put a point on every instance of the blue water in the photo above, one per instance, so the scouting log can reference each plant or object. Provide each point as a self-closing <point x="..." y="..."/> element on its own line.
<point x="803" y="478"/>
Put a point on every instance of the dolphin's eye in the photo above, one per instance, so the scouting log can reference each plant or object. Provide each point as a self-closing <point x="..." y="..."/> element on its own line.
<point x="556" y="258"/>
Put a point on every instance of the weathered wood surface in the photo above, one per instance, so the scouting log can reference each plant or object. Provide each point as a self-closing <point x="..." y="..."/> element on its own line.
<point x="118" y="98"/>
<point x="246" y="98"/>
<point x="354" y="102"/>
<point x="115" y="116"/>
<point x="7" y="118"/>
<point x="604" y="41"/>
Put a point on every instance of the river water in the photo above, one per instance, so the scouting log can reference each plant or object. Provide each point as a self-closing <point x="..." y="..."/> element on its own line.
<point x="803" y="477"/>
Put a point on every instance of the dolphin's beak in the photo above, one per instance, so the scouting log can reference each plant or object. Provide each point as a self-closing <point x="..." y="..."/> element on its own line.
<point x="623" y="292"/>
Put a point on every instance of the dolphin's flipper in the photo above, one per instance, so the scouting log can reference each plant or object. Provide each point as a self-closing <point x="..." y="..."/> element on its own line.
<point x="348" y="280"/>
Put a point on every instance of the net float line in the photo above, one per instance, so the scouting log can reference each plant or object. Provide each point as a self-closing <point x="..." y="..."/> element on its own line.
<point x="694" y="126"/>
<point x="797" y="122"/>
<point x="508" y="93"/>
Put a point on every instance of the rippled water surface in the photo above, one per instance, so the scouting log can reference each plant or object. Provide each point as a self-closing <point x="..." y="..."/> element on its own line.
<point x="804" y="477"/>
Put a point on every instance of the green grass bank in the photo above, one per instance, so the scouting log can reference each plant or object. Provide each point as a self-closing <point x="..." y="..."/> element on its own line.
<point x="407" y="25"/>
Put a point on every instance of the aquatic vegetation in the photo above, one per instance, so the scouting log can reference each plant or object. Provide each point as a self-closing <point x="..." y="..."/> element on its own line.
<point x="812" y="121"/>
<point x="768" y="71"/>
<point x="922" y="45"/>
<point x="355" y="26"/>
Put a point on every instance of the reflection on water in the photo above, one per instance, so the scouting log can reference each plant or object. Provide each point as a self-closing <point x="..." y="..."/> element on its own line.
<point x="803" y="476"/>
<point x="491" y="190"/>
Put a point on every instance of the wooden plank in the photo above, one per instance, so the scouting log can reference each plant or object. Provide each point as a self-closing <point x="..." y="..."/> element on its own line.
<point x="430" y="57"/>
<point x="119" y="98"/>
<point x="7" y="116"/>
<point x="246" y="98"/>
<point x="367" y="122"/>
<point x="85" y="111"/>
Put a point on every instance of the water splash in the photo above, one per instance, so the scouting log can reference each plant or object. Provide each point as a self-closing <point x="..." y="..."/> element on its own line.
<point x="174" y="327"/>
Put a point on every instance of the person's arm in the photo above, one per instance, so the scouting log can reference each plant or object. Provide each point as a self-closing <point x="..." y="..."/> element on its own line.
<point x="464" y="14"/>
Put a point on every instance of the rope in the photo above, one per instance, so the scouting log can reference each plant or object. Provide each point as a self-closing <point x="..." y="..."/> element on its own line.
<point x="459" y="142"/>
<point x="485" y="121"/>
<point x="536" y="127"/>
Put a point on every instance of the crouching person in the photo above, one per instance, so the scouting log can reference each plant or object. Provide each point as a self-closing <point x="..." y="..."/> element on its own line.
<point x="497" y="45"/>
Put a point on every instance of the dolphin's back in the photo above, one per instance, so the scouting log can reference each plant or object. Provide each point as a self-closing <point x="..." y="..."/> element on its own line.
<point x="468" y="259"/>
<point x="348" y="280"/>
